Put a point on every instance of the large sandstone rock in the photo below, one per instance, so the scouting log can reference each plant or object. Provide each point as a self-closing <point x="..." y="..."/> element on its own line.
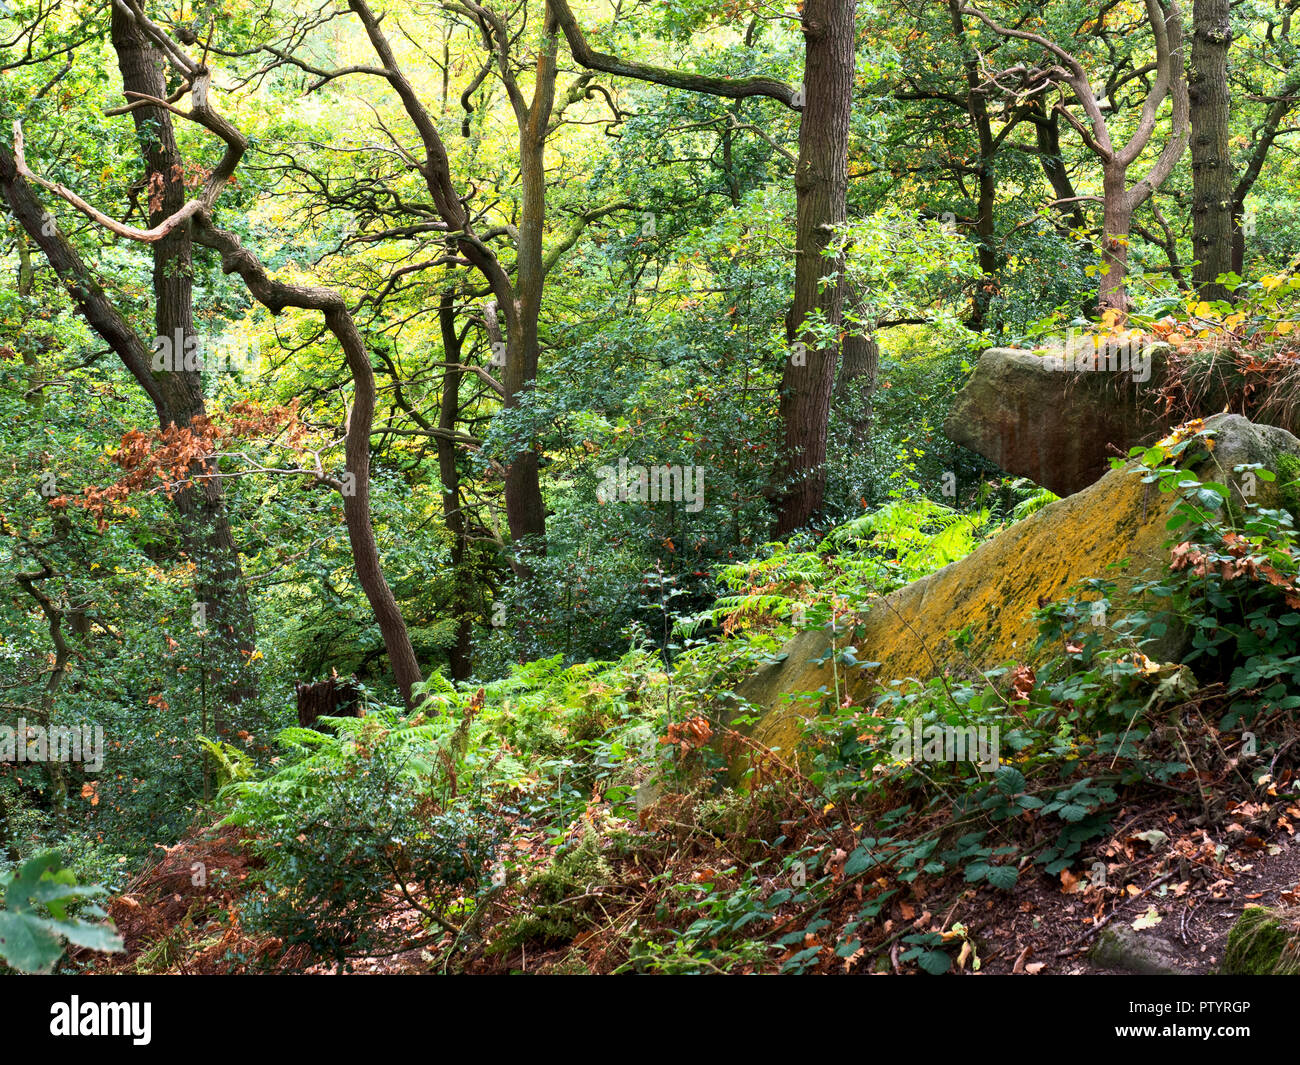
<point x="994" y="591"/>
<point x="1057" y="424"/>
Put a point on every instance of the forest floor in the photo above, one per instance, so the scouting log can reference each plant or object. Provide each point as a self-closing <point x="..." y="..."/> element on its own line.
<point x="1172" y="886"/>
<point x="1180" y="898"/>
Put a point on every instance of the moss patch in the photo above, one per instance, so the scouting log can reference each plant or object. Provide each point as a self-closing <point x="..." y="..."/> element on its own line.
<point x="1263" y="943"/>
<point x="1288" y="479"/>
<point x="557" y="896"/>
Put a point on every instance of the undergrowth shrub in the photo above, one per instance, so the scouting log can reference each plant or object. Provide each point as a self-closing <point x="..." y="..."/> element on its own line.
<point x="356" y="828"/>
<point x="610" y="816"/>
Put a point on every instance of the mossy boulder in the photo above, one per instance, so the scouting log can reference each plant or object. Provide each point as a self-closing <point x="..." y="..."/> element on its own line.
<point x="1263" y="942"/>
<point x="978" y="612"/>
<point x="1137" y="952"/>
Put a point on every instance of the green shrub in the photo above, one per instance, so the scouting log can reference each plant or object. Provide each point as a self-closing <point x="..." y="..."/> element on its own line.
<point x="353" y="831"/>
<point x="45" y="909"/>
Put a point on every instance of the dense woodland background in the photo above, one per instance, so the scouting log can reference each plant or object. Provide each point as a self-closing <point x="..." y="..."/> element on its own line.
<point x="318" y="324"/>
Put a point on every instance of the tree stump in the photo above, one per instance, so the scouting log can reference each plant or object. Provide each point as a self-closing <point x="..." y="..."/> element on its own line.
<point x="331" y="697"/>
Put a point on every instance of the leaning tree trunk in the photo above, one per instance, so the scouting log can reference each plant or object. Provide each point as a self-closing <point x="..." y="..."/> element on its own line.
<point x="1213" y="180"/>
<point x="355" y="486"/>
<point x="225" y="619"/>
<point x="356" y="507"/>
<point x="821" y="185"/>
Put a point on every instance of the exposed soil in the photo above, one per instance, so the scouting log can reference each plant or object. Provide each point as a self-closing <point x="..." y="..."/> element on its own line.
<point x="1182" y="891"/>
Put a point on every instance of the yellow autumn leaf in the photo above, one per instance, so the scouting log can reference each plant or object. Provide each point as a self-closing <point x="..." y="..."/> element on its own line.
<point x="1148" y="920"/>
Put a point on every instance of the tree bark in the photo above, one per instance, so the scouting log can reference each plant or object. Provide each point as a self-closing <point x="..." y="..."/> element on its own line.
<point x="821" y="183"/>
<point x="1213" y="180"/>
<point x="453" y="516"/>
<point x="195" y="215"/>
<point x="986" y="199"/>
<point x="227" y="618"/>
<point x="1117" y="221"/>
<point x="525" y="508"/>
<point x="31" y="360"/>
<point x="855" y="386"/>
<point x="331" y="697"/>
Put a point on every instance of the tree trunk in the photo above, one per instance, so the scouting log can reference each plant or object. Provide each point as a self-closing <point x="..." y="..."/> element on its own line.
<point x="977" y="109"/>
<point x="177" y="397"/>
<point x="31" y="360"/>
<point x="821" y="189"/>
<point x="460" y="655"/>
<point x="1239" y="224"/>
<point x="356" y="507"/>
<point x="1119" y="202"/>
<point x="331" y="697"/>
<point x="355" y="488"/>
<point x="856" y="385"/>
<point x="1265" y="136"/>
<point x="225" y="618"/>
<point x="1116" y="221"/>
<point x="520" y="301"/>
<point x="525" y="508"/>
<point x="821" y="185"/>
<point x="729" y="172"/>
<point x="985" y="238"/>
<point x="1213" y="179"/>
<point x="1047" y="136"/>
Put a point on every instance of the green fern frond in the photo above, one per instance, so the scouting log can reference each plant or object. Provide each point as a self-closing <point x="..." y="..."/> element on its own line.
<point x="232" y="763"/>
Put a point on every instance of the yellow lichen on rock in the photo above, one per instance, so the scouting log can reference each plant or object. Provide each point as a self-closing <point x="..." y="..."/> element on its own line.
<point x="991" y="595"/>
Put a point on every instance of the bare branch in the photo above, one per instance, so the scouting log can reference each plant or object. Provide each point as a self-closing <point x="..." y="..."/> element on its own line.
<point x="733" y="88"/>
